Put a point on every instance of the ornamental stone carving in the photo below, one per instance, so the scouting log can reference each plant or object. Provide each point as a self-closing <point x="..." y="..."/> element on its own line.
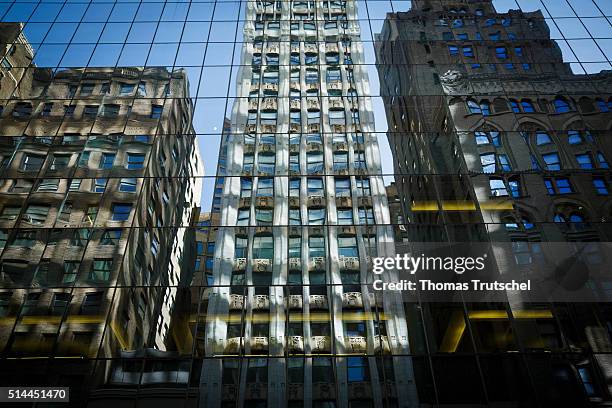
<point x="454" y="83"/>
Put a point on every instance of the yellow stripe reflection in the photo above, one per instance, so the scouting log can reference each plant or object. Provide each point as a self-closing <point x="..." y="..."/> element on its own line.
<point x="456" y="326"/>
<point x="424" y="206"/>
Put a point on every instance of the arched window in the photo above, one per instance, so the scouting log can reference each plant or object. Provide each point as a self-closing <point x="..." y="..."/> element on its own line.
<point x="487" y="135"/>
<point x="559" y="219"/>
<point x="586" y="105"/>
<point x="562" y="105"/>
<point x="500" y="105"/>
<point x="516" y="108"/>
<point x="473" y="106"/>
<point x="542" y="138"/>
<point x="527" y="106"/>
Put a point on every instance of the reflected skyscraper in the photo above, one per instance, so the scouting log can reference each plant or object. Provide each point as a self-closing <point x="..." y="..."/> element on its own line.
<point x="290" y="319"/>
<point x="98" y="169"/>
<point x="496" y="140"/>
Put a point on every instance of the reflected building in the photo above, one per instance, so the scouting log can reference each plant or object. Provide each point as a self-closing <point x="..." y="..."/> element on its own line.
<point x="495" y="139"/>
<point x="290" y="320"/>
<point x="99" y="171"/>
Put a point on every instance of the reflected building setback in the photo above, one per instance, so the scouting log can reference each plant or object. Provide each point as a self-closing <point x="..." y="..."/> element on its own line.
<point x="98" y="169"/>
<point x="495" y="139"/>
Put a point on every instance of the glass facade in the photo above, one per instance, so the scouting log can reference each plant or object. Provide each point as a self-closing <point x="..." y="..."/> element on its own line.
<point x="192" y="194"/>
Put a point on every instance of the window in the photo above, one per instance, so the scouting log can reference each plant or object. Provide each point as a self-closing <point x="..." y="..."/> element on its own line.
<point x="559" y="185"/>
<point x="90" y="111"/>
<point x="91" y="303"/>
<point x="135" y="161"/>
<point x="266" y="163"/>
<point x="263" y="247"/>
<point x="345" y="217"/>
<point x="154" y="246"/>
<point x="90" y="214"/>
<point x="121" y="211"/>
<point x="357" y="367"/>
<point x="60" y="303"/>
<point x="295" y="217"/>
<point x="340" y="161"/>
<point x="347" y="247"/>
<point x="453" y="50"/>
<point x="100" y="270"/>
<point x="10" y="213"/>
<point x="24" y="238"/>
<point x="561" y="105"/>
<point x="22" y="186"/>
<point x="515" y="187"/>
<point x="36" y="214"/>
<point x="485" y="108"/>
<point x="574" y="137"/>
<point x="602" y="105"/>
<point x="246" y="186"/>
<point x="99" y="185"/>
<point x="294" y="187"/>
<point x="47" y="108"/>
<point x="32" y="162"/>
<point x="552" y="161"/>
<point x="542" y="138"/>
<point x="128" y="185"/>
<point x="501" y="52"/>
<point x="315" y="187"/>
<point x="156" y="111"/>
<point x="110" y="237"/>
<point x="584" y="161"/>
<point x="473" y="106"/>
<point x="107" y="160"/>
<point x="263" y="216"/>
<point x="125" y="89"/>
<point x="360" y="160"/>
<point x="487" y="161"/>
<point x="69" y="110"/>
<point x="366" y="216"/>
<point x="314" y="163"/>
<point x="468" y="51"/>
<point x="363" y="187"/>
<point x="110" y="110"/>
<point x="84" y="158"/>
<point x="498" y="187"/>
<point x="316" y="216"/>
<point x="142" y="88"/>
<point x="59" y="162"/>
<point x="265" y="187"/>
<point x="243" y="217"/>
<point x="343" y="187"/>
<point x="485" y="138"/>
<point x="527" y="106"/>
<point x="601" y="159"/>
<point x="71" y="268"/>
<point x="601" y="186"/>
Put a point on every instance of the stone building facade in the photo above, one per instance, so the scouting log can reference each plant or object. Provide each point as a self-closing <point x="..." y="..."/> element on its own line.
<point x="496" y="140"/>
<point x="99" y="181"/>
